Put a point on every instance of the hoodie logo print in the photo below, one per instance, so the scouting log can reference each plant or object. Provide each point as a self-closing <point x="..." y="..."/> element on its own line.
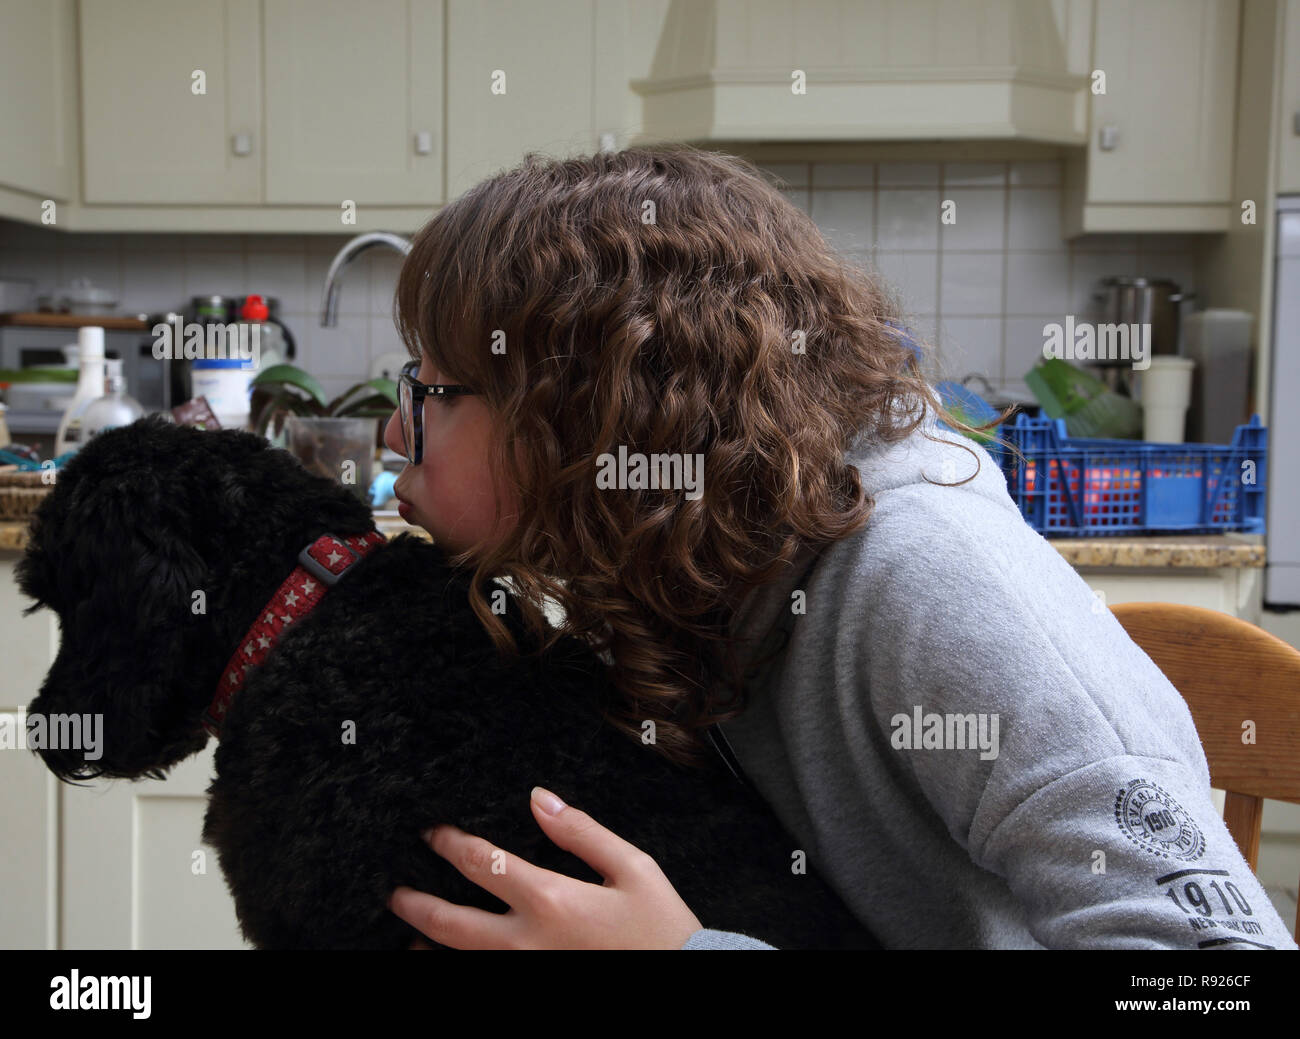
<point x="1150" y="817"/>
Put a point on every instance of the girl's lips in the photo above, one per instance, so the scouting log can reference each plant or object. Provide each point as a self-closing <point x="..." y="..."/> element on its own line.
<point x="404" y="510"/>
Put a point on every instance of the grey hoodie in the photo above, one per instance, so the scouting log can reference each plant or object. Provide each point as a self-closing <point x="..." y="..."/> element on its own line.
<point x="967" y="744"/>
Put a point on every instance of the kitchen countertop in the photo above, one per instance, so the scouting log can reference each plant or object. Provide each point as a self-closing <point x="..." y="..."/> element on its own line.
<point x="13" y="533"/>
<point x="1194" y="551"/>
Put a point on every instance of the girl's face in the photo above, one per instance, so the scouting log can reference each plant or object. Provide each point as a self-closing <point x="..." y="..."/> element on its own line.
<point x="451" y="493"/>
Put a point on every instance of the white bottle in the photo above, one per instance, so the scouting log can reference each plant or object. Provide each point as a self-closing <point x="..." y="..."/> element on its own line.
<point x="90" y="386"/>
<point x="115" y="408"/>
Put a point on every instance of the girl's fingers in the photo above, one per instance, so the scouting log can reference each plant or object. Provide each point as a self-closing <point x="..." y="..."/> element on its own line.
<point x="606" y="852"/>
<point x="457" y="927"/>
<point x="518" y="883"/>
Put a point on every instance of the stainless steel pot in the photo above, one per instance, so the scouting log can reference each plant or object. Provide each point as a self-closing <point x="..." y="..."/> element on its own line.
<point x="1141" y="301"/>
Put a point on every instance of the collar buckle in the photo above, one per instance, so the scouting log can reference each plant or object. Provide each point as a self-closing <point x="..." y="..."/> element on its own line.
<point x="318" y="569"/>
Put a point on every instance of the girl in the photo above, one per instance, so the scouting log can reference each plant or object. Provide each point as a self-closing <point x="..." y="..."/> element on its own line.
<point x="964" y="741"/>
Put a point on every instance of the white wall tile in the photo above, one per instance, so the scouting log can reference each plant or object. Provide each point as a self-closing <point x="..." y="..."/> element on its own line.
<point x="100" y="266"/>
<point x="153" y="281"/>
<point x="41" y="267"/>
<point x="799" y="197"/>
<point x="30" y="237"/>
<point x="85" y="241"/>
<point x="214" y="243"/>
<point x="148" y="243"/>
<point x="974" y="174"/>
<point x="979" y="219"/>
<point x="972" y="344"/>
<point x="1038" y="283"/>
<point x="282" y="276"/>
<point x="907" y="175"/>
<point x="342" y="351"/>
<point x="300" y="326"/>
<point x="925" y="329"/>
<point x="1088" y="270"/>
<point x="1045" y="173"/>
<point x="1186" y="244"/>
<point x="383" y="270"/>
<point x="913" y="277"/>
<point x="844" y="217"/>
<point x="385" y="340"/>
<point x="971" y="284"/>
<point x="908" y="219"/>
<point x="354" y="286"/>
<point x="795" y="174"/>
<point x="1034" y="219"/>
<point x="1104" y="243"/>
<point x="1176" y="268"/>
<point x="1023" y="348"/>
<point x="843" y="175"/>
<point x="211" y="274"/>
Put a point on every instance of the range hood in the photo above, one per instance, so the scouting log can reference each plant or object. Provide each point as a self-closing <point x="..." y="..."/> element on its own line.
<point x="728" y="70"/>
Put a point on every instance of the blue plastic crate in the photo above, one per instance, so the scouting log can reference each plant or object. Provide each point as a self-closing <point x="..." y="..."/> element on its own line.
<point x="1091" y="487"/>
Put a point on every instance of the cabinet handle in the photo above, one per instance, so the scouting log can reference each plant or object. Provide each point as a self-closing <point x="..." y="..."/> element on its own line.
<point x="1108" y="137"/>
<point x="423" y="142"/>
<point x="242" y="144"/>
<point x="1295" y="124"/>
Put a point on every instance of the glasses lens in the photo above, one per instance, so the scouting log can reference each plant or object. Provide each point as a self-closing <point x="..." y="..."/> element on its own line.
<point x="408" y="422"/>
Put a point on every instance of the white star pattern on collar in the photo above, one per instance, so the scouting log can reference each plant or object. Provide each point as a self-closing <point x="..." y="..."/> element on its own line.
<point x="292" y="598"/>
<point x="333" y="557"/>
<point x="308" y="586"/>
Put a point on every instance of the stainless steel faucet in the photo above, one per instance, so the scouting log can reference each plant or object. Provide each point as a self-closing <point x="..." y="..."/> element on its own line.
<point x="329" y="316"/>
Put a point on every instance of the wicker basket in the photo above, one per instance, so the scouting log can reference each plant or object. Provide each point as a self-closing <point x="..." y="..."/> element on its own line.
<point x="21" y="491"/>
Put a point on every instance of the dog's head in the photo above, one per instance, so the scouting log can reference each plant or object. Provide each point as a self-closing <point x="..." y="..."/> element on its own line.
<point x="156" y="549"/>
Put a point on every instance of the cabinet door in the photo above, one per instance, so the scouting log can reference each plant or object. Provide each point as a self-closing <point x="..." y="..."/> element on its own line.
<point x="520" y="77"/>
<point x="38" y="102"/>
<point x="148" y="135"/>
<point x="1288" y="151"/>
<point x="353" y="101"/>
<point x="1171" y="85"/>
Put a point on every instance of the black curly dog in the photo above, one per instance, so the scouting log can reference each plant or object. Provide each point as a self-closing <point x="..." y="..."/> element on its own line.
<point x="313" y="831"/>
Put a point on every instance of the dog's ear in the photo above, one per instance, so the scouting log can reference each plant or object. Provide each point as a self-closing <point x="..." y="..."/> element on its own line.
<point x="131" y="636"/>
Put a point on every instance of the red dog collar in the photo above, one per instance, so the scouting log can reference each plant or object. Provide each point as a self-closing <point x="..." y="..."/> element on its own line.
<point x="320" y="565"/>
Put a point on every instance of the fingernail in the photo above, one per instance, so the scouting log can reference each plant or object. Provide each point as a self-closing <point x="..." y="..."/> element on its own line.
<point x="551" y="804"/>
<point x="427" y="835"/>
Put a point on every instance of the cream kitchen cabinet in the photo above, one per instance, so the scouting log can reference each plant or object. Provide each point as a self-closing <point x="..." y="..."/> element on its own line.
<point x="1288" y="150"/>
<point x="171" y="101"/>
<point x="303" y="101"/>
<point x="353" y="101"/>
<point x="527" y="76"/>
<point x="38" y="104"/>
<point x="1159" y="155"/>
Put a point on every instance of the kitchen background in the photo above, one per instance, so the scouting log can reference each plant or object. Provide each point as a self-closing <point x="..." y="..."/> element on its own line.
<point x="984" y="285"/>
<point x="158" y="195"/>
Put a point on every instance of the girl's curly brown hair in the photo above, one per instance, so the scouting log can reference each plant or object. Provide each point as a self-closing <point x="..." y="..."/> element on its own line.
<point x="668" y="300"/>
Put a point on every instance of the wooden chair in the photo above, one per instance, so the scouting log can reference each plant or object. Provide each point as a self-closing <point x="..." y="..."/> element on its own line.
<point x="1230" y="671"/>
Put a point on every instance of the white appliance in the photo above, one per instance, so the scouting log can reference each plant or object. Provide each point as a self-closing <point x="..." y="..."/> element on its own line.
<point x="1282" y="537"/>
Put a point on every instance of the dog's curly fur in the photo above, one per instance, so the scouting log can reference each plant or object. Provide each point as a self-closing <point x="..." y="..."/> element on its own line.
<point x="313" y="832"/>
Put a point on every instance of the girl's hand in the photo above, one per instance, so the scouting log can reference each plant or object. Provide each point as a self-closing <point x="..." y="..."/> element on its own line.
<point x="636" y="907"/>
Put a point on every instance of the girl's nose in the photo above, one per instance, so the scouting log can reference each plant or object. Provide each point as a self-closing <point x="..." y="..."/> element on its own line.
<point x="393" y="433"/>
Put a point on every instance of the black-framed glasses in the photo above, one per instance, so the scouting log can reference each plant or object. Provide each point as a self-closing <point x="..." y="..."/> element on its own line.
<point x="410" y="403"/>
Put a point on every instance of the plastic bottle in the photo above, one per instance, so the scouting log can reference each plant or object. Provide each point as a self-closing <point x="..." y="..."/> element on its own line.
<point x="271" y="336"/>
<point x="90" y="387"/>
<point x="115" y="408"/>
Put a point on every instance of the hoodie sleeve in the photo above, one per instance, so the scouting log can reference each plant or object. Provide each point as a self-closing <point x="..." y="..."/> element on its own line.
<point x="706" y="939"/>
<point x="1083" y="782"/>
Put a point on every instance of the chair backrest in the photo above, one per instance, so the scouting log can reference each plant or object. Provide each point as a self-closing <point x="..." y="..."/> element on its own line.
<point x="1242" y="686"/>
